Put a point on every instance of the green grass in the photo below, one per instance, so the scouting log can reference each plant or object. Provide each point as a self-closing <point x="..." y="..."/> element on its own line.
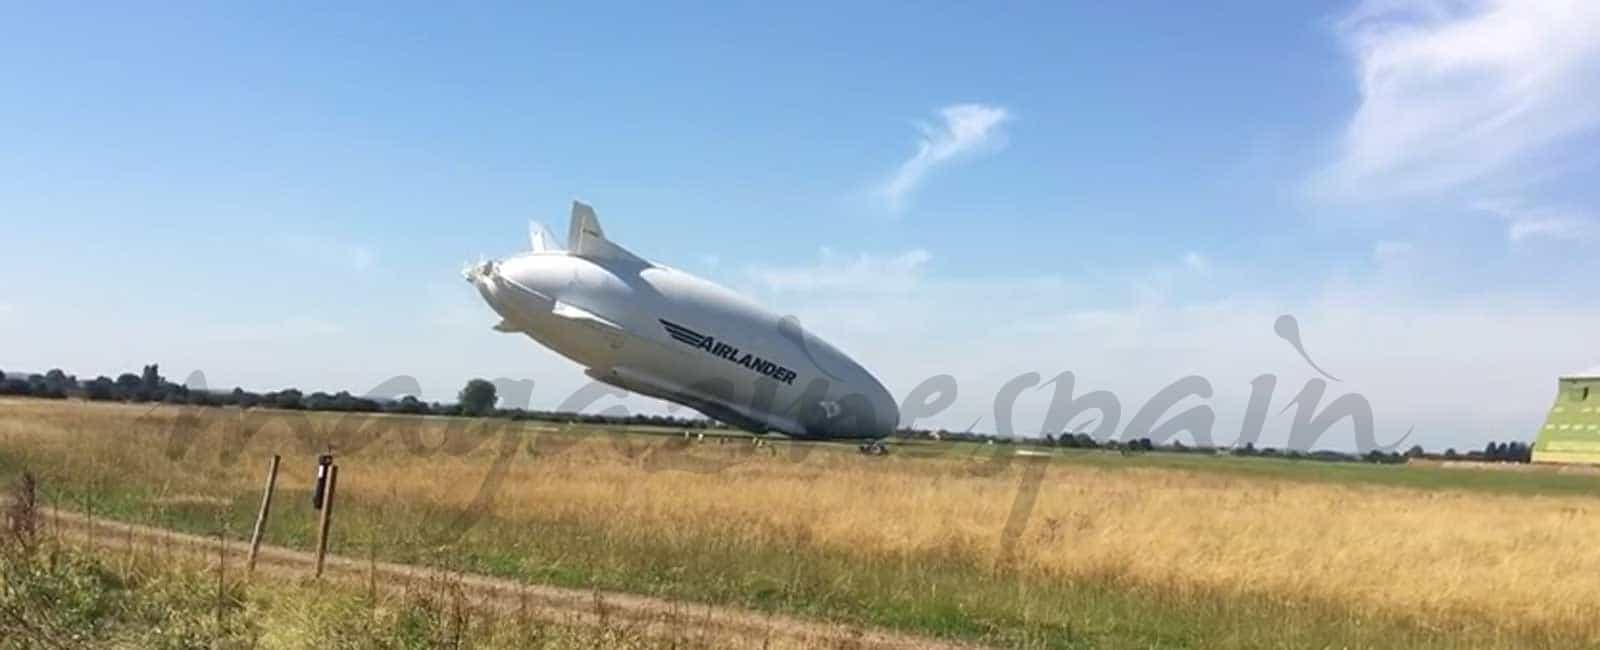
<point x="1509" y="480"/>
<point x="950" y="594"/>
<point x="59" y="597"/>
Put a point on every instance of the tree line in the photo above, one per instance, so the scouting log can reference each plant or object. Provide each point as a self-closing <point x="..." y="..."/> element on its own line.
<point x="478" y="398"/>
<point x="1499" y="452"/>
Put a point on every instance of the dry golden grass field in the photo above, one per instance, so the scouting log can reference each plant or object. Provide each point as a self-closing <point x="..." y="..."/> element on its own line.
<point x="1117" y="552"/>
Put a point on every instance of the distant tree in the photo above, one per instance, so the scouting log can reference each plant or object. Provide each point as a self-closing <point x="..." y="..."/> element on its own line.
<point x="289" y="398"/>
<point x="477" y="397"/>
<point x="172" y="393"/>
<point x="15" y="387"/>
<point x="101" y="388"/>
<point x="1377" y="456"/>
<point x="151" y="379"/>
<point x="1415" y="452"/>
<point x="58" y="382"/>
<point x="410" y="404"/>
<point x="127" y="385"/>
<point x="1509" y="452"/>
<point x="40" y="386"/>
<point x="1451" y="453"/>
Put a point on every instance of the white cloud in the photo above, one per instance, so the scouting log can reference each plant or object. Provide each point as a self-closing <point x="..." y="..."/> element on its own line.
<point x="1525" y="223"/>
<point x="865" y="272"/>
<point x="1196" y="262"/>
<point x="1549" y="228"/>
<point x="1453" y="91"/>
<point x="1461" y="370"/>
<point x="966" y="129"/>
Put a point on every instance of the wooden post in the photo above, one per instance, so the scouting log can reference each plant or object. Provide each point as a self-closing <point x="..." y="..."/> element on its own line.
<point x="327" y="518"/>
<point x="88" y="509"/>
<point x="222" y="567"/>
<point x="261" y="515"/>
<point x="372" y="568"/>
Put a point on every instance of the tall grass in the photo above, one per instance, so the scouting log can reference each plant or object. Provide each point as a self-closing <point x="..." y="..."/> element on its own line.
<point x="64" y="597"/>
<point x="1114" y="555"/>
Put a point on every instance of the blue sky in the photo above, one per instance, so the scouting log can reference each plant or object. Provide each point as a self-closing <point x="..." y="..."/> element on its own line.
<point x="283" y="195"/>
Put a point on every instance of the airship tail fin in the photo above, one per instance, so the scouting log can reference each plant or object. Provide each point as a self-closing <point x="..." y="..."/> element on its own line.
<point x="586" y="239"/>
<point x="540" y="239"/>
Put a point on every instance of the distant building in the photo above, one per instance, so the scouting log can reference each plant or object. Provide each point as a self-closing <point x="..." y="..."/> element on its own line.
<point x="1571" y="432"/>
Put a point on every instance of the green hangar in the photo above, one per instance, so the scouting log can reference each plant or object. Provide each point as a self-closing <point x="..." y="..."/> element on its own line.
<point x="1571" y="432"/>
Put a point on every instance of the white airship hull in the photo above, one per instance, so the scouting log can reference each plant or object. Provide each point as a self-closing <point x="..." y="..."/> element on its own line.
<point x="669" y="335"/>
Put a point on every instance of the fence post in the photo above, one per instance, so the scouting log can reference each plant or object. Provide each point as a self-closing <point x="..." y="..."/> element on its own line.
<point x="261" y="515"/>
<point x="327" y="518"/>
<point x="222" y="568"/>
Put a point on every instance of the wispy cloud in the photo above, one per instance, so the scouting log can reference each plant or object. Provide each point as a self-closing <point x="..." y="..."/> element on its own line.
<point x="865" y="272"/>
<point x="330" y="252"/>
<point x="985" y="330"/>
<point x="1196" y="262"/>
<point x="1456" y="91"/>
<point x="1551" y="228"/>
<point x="965" y="129"/>
<point x="1524" y="223"/>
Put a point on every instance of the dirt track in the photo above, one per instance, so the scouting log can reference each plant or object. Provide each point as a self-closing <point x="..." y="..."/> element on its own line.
<point x="694" y="624"/>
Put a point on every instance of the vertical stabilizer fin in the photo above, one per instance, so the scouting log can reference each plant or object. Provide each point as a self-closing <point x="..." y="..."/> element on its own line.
<point x="586" y="239"/>
<point x="585" y="225"/>
<point x="539" y="238"/>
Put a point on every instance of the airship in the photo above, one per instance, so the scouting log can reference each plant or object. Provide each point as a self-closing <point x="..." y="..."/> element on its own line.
<point x="657" y="331"/>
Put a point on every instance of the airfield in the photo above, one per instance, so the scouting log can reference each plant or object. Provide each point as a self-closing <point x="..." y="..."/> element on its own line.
<point x="498" y="528"/>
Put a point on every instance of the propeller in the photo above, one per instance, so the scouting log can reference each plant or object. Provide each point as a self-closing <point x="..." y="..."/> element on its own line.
<point x="481" y="269"/>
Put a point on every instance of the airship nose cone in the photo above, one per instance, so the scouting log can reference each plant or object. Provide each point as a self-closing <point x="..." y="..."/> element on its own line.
<point x="486" y="288"/>
<point x="496" y="282"/>
<point x="887" y="412"/>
